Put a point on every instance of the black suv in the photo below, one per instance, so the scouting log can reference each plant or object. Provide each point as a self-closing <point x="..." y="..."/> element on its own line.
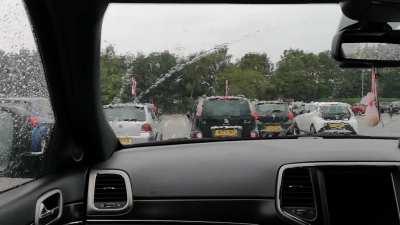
<point x="222" y="117"/>
<point x="274" y="118"/>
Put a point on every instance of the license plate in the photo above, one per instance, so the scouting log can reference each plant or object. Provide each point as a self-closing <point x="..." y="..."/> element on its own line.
<point x="273" y="129"/>
<point x="336" y="125"/>
<point x="226" y="133"/>
<point x="126" y="140"/>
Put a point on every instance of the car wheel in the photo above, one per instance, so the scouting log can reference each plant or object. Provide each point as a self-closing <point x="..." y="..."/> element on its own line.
<point x="312" y="130"/>
<point x="296" y="130"/>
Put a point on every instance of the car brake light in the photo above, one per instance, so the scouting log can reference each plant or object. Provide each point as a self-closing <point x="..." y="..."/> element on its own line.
<point x="147" y="128"/>
<point x="197" y="134"/>
<point x="255" y="115"/>
<point x="33" y="121"/>
<point x="290" y="116"/>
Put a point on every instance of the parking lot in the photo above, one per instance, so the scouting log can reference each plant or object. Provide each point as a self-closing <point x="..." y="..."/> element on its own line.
<point x="178" y="126"/>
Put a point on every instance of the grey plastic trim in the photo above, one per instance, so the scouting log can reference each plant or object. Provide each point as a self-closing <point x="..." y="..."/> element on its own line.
<point x="173" y="221"/>
<point x="93" y="210"/>
<point x="317" y="164"/>
<point x="42" y="198"/>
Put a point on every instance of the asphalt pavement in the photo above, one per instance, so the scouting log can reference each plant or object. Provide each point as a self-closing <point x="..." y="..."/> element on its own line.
<point x="175" y="126"/>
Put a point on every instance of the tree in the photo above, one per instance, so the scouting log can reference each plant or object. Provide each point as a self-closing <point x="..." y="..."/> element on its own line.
<point x="250" y="83"/>
<point x="112" y="69"/>
<point x="256" y="62"/>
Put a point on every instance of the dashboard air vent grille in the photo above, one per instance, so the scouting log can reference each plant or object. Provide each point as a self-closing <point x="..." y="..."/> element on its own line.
<point x="110" y="191"/>
<point x="297" y="194"/>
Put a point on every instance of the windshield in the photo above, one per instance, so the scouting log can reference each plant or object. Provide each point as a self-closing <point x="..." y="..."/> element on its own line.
<point x="226" y="108"/>
<point x="271" y="107"/>
<point x="127" y="113"/>
<point x="188" y="57"/>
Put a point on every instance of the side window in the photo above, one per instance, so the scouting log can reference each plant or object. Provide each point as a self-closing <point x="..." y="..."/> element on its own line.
<point x="26" y="117"/>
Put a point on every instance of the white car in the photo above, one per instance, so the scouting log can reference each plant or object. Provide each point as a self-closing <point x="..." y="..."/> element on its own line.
<point x="327" y="117"/>
<point x="134" y="123"/>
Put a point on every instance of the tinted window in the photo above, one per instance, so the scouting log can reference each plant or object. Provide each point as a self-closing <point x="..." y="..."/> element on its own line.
<point x="334" y="110"/>
<point x="234" y="107"/>
<point x="127" y="113"/>
<point x="269" y="108"/>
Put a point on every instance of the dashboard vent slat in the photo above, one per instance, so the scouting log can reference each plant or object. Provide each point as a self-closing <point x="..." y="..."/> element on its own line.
<point x="109" y="188"/>
<point x="297" y="194"/>
<point x="109" y="192"/>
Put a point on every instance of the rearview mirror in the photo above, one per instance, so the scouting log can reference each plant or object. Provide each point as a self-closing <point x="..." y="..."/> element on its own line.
<point x="366" y="49"/>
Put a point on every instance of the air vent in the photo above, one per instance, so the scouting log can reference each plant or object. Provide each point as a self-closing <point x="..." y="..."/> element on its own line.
<point x="109" y="192"/>
<point x="297" y="194"/>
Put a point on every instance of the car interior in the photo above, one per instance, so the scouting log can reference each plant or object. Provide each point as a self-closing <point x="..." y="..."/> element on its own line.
<point x="92" y="179"/>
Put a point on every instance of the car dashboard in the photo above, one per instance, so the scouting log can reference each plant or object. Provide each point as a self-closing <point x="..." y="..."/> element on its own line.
<point x="297" y="181"/>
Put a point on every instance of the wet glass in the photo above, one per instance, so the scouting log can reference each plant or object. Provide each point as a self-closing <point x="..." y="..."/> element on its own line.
<point x="187" y="53"/>
<point x="26" y="116"/>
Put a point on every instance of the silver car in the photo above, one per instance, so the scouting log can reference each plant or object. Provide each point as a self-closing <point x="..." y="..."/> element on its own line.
<point x="134" y="123"/>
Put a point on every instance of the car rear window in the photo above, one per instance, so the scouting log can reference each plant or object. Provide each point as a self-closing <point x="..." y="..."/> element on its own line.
<point x="226" y="107"/>
<point x="334" y="109"/>
<point x="126" y="113"/>
<point x="271" y="107"/>
<point x="6" y="137"/>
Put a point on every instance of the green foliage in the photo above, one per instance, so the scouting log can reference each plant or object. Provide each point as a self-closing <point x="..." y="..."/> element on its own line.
<point x="256" y="62"/>
<point x="298" y="75"/>
<point x="250" y="83"/>
<point x="112" y="69"/>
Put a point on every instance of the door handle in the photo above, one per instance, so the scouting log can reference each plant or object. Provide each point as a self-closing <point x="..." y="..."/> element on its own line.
<point x="49" y="207"/>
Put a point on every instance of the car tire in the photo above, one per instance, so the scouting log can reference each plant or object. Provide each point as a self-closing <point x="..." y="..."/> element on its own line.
<point x="312" y="129"/>
<point x="296" y="130"/>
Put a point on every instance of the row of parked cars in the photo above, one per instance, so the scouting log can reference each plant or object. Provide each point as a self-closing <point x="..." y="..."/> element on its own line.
<point x="384" y="107"/>
<point x="234" y="116"/>
<point x="231" y="116"/>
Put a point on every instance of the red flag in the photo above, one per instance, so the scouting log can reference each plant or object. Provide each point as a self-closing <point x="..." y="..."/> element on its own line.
<point x="133" y="87"/>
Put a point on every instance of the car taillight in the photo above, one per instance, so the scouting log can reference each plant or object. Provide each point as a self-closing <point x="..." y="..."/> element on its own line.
<point x="290" y="116"/>
<point x="255" y="115"/>
<point x="197" y="134"/>
<point x="147" y="128"/>
<point x="33" y="121"/>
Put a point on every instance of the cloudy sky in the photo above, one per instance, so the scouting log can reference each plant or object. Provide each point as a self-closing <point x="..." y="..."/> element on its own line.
<point x="186" y="29"/>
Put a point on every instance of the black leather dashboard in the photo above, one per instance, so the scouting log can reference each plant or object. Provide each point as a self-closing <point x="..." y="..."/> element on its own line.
<point x="245" y="169"/>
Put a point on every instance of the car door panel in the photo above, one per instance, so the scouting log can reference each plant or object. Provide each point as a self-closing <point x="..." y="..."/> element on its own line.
<point x="18" y="205"/>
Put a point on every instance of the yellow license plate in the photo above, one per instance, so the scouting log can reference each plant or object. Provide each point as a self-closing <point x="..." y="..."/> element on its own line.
<point x="126" y="140"/>
<point x="226" y="133"/>
<point x="273" y="129"/>
<point x="336" y="125"/>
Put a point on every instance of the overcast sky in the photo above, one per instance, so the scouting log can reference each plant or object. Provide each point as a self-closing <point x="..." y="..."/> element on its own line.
<point x="186" y="29"/>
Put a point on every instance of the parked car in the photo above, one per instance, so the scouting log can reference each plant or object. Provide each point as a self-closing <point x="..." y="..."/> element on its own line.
<point x="358" y="108"/>
<point x="327" y="117"/>
<point x="134" y="123"/>
<point x="16" y="157"/>
<point x="40" y="119"/>
<point x="384" y="107"/>
<point x="395" y="106"/>
<point x="274" y="118"/>
<point x="222" y="117"/>
<point x="297" y="108"/>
